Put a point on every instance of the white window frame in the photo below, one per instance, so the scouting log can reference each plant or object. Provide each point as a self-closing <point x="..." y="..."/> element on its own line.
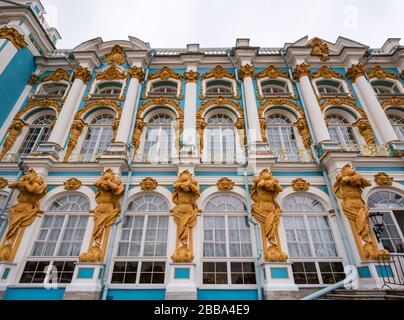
<point x="289" y="91"/>
<point x="150" y="83"/>
<point x="204" y="87"/>
<point x="37" y="92"/>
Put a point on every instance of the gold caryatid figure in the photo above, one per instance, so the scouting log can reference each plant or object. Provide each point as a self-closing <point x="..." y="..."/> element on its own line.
<point x="186" y="193"/>
<point x="110" y="190"/>
<point x="139" y="125"/>
<point x="75" y="132"/>
<point x="13" y="133"/>
<point x="267" y="211"/>
<point x="31" y="189"/>
<point x="348" y="187"/>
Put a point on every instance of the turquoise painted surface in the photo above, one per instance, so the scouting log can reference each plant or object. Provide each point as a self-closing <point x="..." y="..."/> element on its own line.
<point x="227" y="295"/>
<point x="379" y="169"/>
<point x="384" y="271"/>
<point x="182" y="273"/>
<point x="85" y="273"/>
<point x="364" y="272"/>
<point x="9" y="174"/>
<point x="34" y="294"/>
<point x="297" y="174"/>
<point x="279" y="273"/>
<point x="5" y="273"/>
<point x="118" y="294"/>
<point x="13" y="80"/>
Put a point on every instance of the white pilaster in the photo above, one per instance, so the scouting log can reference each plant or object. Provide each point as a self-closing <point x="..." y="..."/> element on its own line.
<point x="7" y="54"/>
<point x="189" y="136"/>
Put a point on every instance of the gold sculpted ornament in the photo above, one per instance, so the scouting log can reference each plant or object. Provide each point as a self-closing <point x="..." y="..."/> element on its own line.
<point x="139" y="125"/>
<point x="13" y="133"/>
<point x="355" y="71"/>
<point x="320" y="49"/>
<point x="301" y="125"/>
<point x="14" y="36"/>
<point x="348" y="187"/>
<point x="186" y="193"/>
<point x="246" y="71"/>
<point x="75" y="132"/>
<point x="148" y="184"/>
<point x="191" y="76"/>
<point x="82" y="73"/>
<point x="383" y="179"/>
<point x="366" y="131"/>
<point x="31" y="189"/>
<point x="225" y="184"/>
<point x="300" y="185"/>
<point x="3" y="183"/>
<point x="56" y="76"/>
<point x="110" y="190"/>
<point x="72" y="184"/>
<point x="267" y="211"/>
<point x="301" y="70"/>
<point x="117" y="55"/>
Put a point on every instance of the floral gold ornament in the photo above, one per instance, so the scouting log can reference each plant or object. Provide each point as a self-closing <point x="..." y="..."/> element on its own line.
<point x="109" y="190"/>
<point x="100" y="103"/>
<point x="13" y="133"/>
<point x="246" y="71"/>
<point x="200" y="127"/>
<point x="320" y="49"/>
<point x="31" y="189"/>
<point x="341" y="102"/>
<point x="161" y="102"/>
<point x="186" y="193"/>
<point x="366" y="131"/>
<point x="348" y="187"/>
<point x="33" y="79"/>
<point x="381" y="73"/>
<point x="301" y="70"/>
<point x="56" y="76"/>
<point x="112" y="73"/>
<point x="75" y="132"/>
<point x="263" y="126"/>
<point x="14" y="36"/>
<point x="72" y="184"/>
<point x="326" y="73"/>
<point x="355" y="71"/>
<point x="136" y="73"/>
<point x="117" y="55"/>
<point x="218" y="73"/>
<point x="267" y="211"/>
<point x="3" y="183"/>
<point x="115" y="126"/>
<point x="225" y="184"/>
<point x="165" y="73"/>
<point x="300" y="185"/>
<point x="219" y="102"/>
<point x="272" y="72"/>
<point x="82" y="73"/>
<point x="139" y="125"/>
<point x="264" y="105"/>
<point x="393" y="103"/>
<point x="302" y="127"/>
<point x="191" y="76"/>
<point x="383" y="179"/>
<point x="148" y="184"/>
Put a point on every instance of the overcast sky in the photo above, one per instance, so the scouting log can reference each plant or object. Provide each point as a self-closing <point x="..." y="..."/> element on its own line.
<point x="218" y="23"/>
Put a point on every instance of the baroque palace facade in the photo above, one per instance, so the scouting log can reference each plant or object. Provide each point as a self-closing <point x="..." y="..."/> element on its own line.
<point x="241" y="173"/>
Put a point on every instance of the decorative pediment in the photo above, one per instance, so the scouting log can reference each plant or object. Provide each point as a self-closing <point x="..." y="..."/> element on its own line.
<point x="326" y="73"/>
<point x="383" y="179"/>
<point x="218" y="73"/>
<point x="161" y="102"/>
<point x="56" y="76"/>
<point x="279" y="102"/>
<point x="225" y="184"/>
<point x="117" y="55"/>
<point x="340" y="102"/>
<point x="148" y="184"/>
<point x="39" y="103"/>
<point x="272" y="72"/>
<point x="165" y="73"/>
<point x="99" y="103"/>
<point x="300" y="185"/>
<point x="112" y="73"/>
<point x="393" y="103"/>
<point x="319" y="48"/>
<point x="381" y="73"/>
<point x="219" y="102"/>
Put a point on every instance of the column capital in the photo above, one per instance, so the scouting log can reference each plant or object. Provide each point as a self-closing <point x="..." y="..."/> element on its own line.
<point x="137" y="73"/>
<point x="82" y="73"/>
<point x="301" y="70"/>
<point x="355" y="71"/>
<point x="246" y="71"/>
<point x="191" y="76"/>
<point x="14" y="36"/>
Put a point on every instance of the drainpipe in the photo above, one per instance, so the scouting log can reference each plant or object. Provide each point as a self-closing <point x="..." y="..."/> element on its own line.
<point x="127" y="187"/>
<point x="250" y="218"/>
<point x="334" y="202"/>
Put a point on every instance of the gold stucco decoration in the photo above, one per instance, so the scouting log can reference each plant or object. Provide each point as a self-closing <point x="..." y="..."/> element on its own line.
<point x="355" y="71"/>
<point x="200" y="127"/>
<point x="165" y="73"/>
<point x="220" y="101"/>
<point x="191" y="76"/>
<point x="111" y="73"/>
<point x="300" y="185"/>
<point x="161" y="102"/>
<point x="72" y="184"/>
<point x="33" y="79"/>
<point x="264" y="105"/>
<point x="326" y="73"/>
<point x="301" y="125"/>
<point x="56" y="76"/>
<point x="99" y="103"/>
<point x="31" y="189"/>
<point x="267" y="211"/>
<point x="82" y="73"/>
<point x="393" y="103"/>
<point x="301" y="70"/>
<point x="117" y="55"/>
<point x="75" y="132"/>
<point x="109" y="190"/>
<point x="272" y="72"/>
<point x="381" y="73"/>
<point x="139" y="125"/>
<point x="13" y="133"/>
<point x="348" y="187"/>
<point x="341" y="102"/>
<point x="320" y="49"/>
<point x="186" y="193"/>
<point x="14" y="36"/>
<point x="383" y="179"/>
<point x="366" y="131"/>
<point x="137" y="73"/>
<point x="263" y="127"/>
<point x="148" y="184"/>
<point x="246" y="71"/>
<point x="225" y="184"/>
<point x="218" y="73"/>
<point x="3" y="183"/>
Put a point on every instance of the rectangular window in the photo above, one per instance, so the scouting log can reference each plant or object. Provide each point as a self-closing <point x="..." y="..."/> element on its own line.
<point x="214" y="237"/>
<point x="215" y="273"/>
<point x="124" y="272"/>
<point x="36" y="271"/>
<point x="305" y="273"/>
<point x="152" y="272"/>
<point x="321" y="234"/>
<point x="242" y="273"/>
<point x="297" y="237"/>
<point x="322" y="272"/>
<point x="331" y="272"/>
<point x="239" y="237"/>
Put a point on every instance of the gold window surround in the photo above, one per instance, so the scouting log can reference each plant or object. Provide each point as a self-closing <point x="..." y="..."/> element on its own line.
<point x="164" y="74"/>
<point x="219" y="73"/>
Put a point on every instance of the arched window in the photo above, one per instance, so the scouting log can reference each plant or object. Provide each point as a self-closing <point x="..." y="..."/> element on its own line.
<point x="3" y="199"/>
<point x="142" y="248"/>
<point x="50" y="90"/>
<point x="219" y="88"/>
<point x="164" y="88"/>
<point x="59" y="240"/>
<point x="159" y="141"/>
<point x="108" y="89"/>
<point x="274" y="87"/>
<point x="391" y="204"/>
<point x="227" y="247"/>
<point x="329" y="87"/>
<point x="340" y="130"/>
<point x="385" y="87"/>
<point x="221" y="139"/>
<point x="311" y="243"/>
<point x="38" y="132"/>
<point x="281" y="137"/>
<point x="98" y="136"/>
<point x="398" y="125"/>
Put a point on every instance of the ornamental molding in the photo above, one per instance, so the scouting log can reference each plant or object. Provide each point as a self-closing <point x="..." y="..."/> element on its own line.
<point x="302" y="127"/>
<point x="165" y="73"/>
<point x="319" y="49"/>
<point x="326" y="73"/>
<point x="116" y="56"/>
<point x="39" y="103"/>
<point x="99" y="103"/>
<point x="3" y="183"/>
<point x="219" y="102"/>
<point x="393" y="103"/>
<point x="225" y="184"/>
<point x="246" y="71"/>
<point x="14" y="36"/>
<point x="381" y="73"/>
<point x="382" y="179"/>
<point x="366" y="131"/>
<point x="355" y="71"/>
<point x="82" y="73"/>
<point x="218" y="73"/>
<point x="72" y="184"/>
<point x="161" y="102"/>
<point x="300" y="185"/>
<point x="136" y="73"/>
<point x="272" y="72"/>
<point x="191" y="76"/>
<point x="301" y="70"/>
<point x="112" y="73"/>
<point x="56" y="76"/>
<point x="341" y="102"/>
<point x="264" y="105"/>
<point x="148" y="184"/>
